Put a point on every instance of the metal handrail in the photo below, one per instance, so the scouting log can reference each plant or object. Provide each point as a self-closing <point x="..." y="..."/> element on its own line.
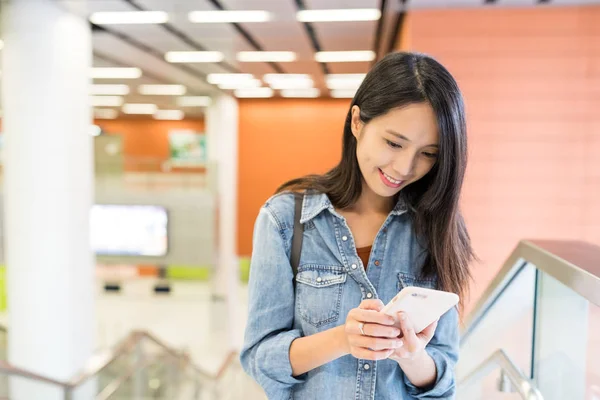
<point x="574" y="263"/>
<point x="99" y="362"/>
<point x="519" y="381"/>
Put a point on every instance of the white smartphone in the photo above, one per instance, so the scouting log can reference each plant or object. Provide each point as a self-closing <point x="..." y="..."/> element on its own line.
<point x="422" y="305"/>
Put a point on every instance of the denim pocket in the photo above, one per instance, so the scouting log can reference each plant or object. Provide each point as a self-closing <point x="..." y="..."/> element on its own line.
<point x="319" y="293"/>
<point x="405" y="280"/>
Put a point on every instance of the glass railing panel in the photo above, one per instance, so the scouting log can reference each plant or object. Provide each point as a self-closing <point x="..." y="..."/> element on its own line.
<point x="593" y="355"/>
<point x="507" y="325"/>
<point x="566" y="341"/>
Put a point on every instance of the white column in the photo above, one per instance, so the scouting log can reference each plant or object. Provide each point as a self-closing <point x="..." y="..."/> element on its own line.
<point x="48" y="193"/>
<point x="222" y="131"/>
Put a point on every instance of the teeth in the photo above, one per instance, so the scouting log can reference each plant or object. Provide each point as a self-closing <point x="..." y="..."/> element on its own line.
<point x="394" y="181"/>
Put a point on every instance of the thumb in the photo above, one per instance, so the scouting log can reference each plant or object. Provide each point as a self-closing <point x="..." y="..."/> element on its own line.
<point x="371" y="304"/>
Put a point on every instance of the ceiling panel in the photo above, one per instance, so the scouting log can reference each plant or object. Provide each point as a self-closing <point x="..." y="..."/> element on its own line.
<point x="340" y="36"/>
<point x="129" y="55"/>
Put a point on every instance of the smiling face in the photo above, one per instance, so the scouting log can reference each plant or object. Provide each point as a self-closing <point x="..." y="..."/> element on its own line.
<point x="397" y="148"/>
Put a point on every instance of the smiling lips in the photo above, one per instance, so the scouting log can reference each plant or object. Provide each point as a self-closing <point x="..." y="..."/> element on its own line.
<point x="390" y="181"/>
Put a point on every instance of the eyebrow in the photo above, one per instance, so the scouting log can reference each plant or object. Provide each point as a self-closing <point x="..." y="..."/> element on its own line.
<point x="401" y="136"/>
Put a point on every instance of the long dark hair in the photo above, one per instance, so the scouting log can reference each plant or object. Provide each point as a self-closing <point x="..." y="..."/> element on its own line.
<point x="400" y="79"/>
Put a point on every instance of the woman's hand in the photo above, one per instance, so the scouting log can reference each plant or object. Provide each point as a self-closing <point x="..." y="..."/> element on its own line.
<point x="369" y="334"/>
<point x="414" y="343"/>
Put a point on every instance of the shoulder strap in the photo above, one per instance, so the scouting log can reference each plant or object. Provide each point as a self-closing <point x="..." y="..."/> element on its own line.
<point x="297" y="235"/>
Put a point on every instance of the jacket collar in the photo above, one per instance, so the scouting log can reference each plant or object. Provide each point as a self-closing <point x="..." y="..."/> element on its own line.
<point x="315" y="203"/>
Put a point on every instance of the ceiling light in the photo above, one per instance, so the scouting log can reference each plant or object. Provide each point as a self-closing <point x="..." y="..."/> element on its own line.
<point x="344" y="81"/>
<point x="266" y="56"/>
<point x="357" y="14"/>
<point x="115" y="73"/>
<point x="173" y="115"/>
<point x="105" y="113"/>
<point x="193" y="101"/>
<point x="106" y="101"/>
<point x="208" y="17"/>
<point x="289" y="81"/>
<point x="217" y="79"/>
<point x="263" y="92"/>
<point x="303" y="93"/>
<point x="344" y="56"/>
<point x="343" y="93"/>
<point x="137" y="108"/>
<point x="162" y="90"/>
<point x="253" y="83"/>
<point x="118" y="90"/>
<point x="129" y="17"/>
<point x="194" y="56"/>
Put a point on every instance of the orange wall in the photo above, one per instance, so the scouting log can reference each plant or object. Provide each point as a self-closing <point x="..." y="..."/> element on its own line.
<point x="147" y="138"/>
<point x="280" y="140"/>
<point x="531" y="80"/>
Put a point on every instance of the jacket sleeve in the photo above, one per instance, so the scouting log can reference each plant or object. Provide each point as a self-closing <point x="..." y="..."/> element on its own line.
<point x="269" y="334"/>
<point x="443" y="349"/>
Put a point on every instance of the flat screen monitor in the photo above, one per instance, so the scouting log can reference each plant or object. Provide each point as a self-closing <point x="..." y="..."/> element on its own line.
<point x="129" y="230"/>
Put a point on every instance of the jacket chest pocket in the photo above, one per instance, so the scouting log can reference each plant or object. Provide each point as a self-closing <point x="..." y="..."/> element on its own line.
<point x="405" y="280"/>
<point x="319" y="293"/>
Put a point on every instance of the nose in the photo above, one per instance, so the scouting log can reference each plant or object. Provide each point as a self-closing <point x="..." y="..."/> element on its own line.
<point x="404" y="165"/>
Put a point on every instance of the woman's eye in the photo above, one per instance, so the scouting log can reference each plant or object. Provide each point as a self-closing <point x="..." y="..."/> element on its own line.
<point x="430" y="155"/>
<point x="393" y="145"/>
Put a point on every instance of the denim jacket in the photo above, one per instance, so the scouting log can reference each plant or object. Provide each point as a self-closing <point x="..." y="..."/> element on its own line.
<point x="331" y="281"/>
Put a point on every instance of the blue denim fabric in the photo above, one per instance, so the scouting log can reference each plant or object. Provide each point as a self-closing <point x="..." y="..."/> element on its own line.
<point x="331" y="281"/>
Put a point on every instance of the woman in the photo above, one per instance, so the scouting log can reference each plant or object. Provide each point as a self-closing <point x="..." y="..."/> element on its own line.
<point x="387" y="216"/>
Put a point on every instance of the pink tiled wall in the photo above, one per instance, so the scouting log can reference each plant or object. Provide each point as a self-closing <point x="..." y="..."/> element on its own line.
<point x="531" y="80"/>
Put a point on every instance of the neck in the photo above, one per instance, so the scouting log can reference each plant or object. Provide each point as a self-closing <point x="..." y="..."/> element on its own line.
<point x="370" y="202"/>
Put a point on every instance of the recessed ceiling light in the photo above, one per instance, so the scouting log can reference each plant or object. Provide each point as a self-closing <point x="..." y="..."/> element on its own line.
<point x="344" y="56"/>
<point x="105" y="113"/>
<point x="173" y="115"/>
<point x="193" y="101"/>
<point x="129" y="17"/>
<point x="137" y="108"/>
<point x="263" y="92"/>
<point x="217" y="79"/>
<point x="344" y="81"/>
<point x="266" y="56"/>
<point x="301" y="93"/>
<point x="253" y="83"/>
<point x="162" y="90"/>
<point x="357" y="14"/>
<point x="343" y="93"/>
<point x="106" y="101"/>
<point x="214" y="17"/>
<point x="289" y="81"/>
<point x="115" y="73"/>
<point x="194" y="56"/>
<point x="117" y="90"/>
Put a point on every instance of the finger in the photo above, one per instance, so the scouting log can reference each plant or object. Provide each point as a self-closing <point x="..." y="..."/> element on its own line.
<point x="366" y="354"/>
<point x="371" y="304"/>
<point x="371" y="316"/>
<point x="372" y="343"/>
<point x="427" y="333"/>
<point x="382" y="331"/>
<point x="411" y="342"/>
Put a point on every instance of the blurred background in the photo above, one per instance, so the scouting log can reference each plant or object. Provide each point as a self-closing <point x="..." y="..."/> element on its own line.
<point x="139" y="139"/>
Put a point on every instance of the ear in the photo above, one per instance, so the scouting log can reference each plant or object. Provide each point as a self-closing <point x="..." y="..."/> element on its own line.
<point x="355" y="123"/>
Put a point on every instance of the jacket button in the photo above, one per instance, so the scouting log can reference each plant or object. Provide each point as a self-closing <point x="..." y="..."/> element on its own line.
<point x="366" y="367"/>
<point x="354" y="266"/>
<point x="319" y="279"/>
<point x="377" y="263"/>
<point x="344" y="238"/>
<point x="369" y="295"/>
